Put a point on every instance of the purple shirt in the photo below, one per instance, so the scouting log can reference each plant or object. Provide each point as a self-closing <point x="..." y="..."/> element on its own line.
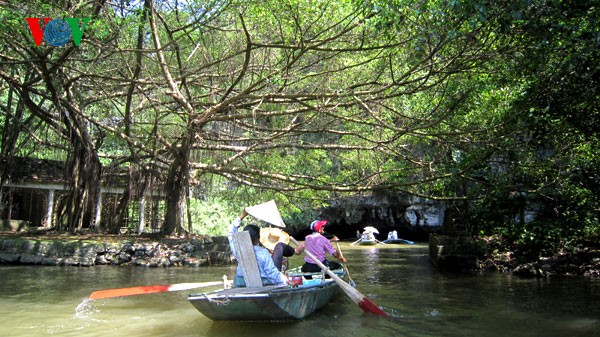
<point x="319" y="246"/>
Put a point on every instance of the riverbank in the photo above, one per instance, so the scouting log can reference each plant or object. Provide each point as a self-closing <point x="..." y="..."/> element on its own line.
<point x="90" y="250"/>
<point x="153" y="251"/>
<point x="464" y="253"/>
<point x="582" y="262"/>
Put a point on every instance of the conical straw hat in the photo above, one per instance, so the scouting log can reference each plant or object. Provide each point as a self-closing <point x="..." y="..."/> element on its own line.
<point x="270" y="236"/>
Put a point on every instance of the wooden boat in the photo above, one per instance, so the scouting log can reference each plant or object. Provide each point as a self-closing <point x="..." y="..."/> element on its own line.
<point x="304" y="294"/>
<point x="367" y="242"/>
<point x="269" y="303"/>
<point x="399" y="241"/>
<point x="367" y="239"/>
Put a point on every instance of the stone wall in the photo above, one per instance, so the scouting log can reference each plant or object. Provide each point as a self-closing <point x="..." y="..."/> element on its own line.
<point x="165" y="253"/>
<point x="14" y="225"/>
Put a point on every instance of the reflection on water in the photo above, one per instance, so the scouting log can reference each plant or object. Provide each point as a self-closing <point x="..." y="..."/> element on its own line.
<point x="42" y="301"/>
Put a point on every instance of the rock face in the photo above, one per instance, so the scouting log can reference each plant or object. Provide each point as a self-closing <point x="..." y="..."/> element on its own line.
<point x="166" y="253"/>
<point x="408" y="215"/>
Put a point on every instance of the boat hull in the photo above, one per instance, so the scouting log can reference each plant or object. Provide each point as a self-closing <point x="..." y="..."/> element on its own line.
<point x="367" y="242"/>
<point x="399" y="241"/>
<point x="269" y="303"/>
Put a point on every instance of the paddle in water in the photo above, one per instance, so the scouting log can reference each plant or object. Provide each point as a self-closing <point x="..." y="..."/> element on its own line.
<point x="158" y="288"/>
<point x="350" y="280"/>
<point x="363" y="302"/>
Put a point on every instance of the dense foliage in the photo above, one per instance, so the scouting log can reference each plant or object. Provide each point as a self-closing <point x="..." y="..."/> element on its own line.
<point x="489" y="105"/>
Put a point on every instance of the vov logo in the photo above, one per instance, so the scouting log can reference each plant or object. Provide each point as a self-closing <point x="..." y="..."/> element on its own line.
<point x="57" y="32"/>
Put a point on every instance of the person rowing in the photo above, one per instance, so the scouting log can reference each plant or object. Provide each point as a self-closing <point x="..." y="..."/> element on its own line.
<point x="318" y="245"/>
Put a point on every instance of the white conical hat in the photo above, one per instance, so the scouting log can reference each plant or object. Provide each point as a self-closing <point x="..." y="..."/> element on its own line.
<point x="267" y="212"/>
<point x="371" y="229"/>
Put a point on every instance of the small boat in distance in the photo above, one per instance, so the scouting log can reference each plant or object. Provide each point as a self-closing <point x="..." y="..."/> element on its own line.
<point x="393" y="238"/>
<point x="368" y="237"/>
<point x="408" y="242"/>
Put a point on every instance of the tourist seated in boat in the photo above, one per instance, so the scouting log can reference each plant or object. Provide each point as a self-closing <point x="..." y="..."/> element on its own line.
<point x="392" y="236"/>
<point x="269" y="274"/>
<point x="276" y="241"/>
<point x="368" y="236"/>
<point x="317" y="244"/>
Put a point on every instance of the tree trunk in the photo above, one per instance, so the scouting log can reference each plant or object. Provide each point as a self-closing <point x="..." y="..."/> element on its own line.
<point x="79" y="206"/>
<point x="175" y="189"/>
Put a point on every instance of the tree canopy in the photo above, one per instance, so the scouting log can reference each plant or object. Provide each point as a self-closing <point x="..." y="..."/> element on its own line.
<point x="473" y="102"/>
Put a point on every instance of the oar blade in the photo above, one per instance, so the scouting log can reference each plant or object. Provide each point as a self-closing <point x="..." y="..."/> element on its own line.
<point x="368" y="306"/>
<point x="159" y="288"/>
<point x="363" y="301"/>
<point x="120" y="292"/>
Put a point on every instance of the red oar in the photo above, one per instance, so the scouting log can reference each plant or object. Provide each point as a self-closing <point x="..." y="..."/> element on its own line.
<point x="159" y="288"/>
<point x="363" y="302"/>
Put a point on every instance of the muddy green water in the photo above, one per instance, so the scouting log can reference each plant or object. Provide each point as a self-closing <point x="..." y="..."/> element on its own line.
<point x="51" y="301"/>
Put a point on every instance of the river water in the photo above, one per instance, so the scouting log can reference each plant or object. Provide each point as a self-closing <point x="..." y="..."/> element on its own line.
<point x="51" y="301"/>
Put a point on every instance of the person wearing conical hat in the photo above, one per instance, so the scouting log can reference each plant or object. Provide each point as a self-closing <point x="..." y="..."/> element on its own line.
<point x="268" y="272"/>
<point x="276" y="241"/>
<point x="318" y="245"/>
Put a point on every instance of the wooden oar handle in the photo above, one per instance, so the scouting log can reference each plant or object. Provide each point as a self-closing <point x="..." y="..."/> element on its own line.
<point x="339" y="250"/>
